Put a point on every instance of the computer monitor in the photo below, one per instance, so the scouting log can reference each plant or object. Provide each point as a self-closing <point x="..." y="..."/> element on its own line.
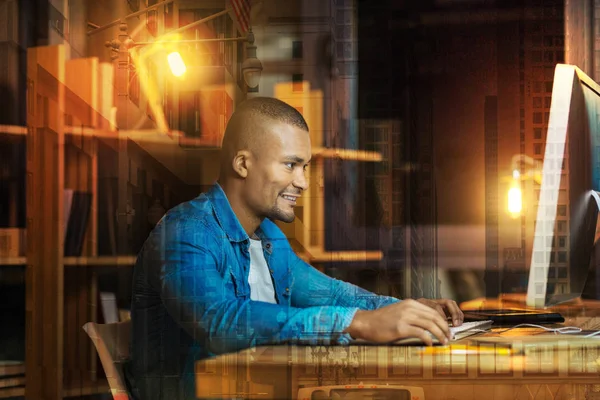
<point x="571" y="174"/>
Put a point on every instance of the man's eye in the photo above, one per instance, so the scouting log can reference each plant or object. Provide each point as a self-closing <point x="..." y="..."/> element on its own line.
<point x="289" y="165"/>
<point x="305" y="167"/>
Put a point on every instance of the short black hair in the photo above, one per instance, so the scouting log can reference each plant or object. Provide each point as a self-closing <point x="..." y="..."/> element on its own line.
<point x="275" y="109"/>
<point x="246" y="127"/>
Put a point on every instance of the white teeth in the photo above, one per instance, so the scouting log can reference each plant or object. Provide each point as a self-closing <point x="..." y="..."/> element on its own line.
<point x="289" y="198"/>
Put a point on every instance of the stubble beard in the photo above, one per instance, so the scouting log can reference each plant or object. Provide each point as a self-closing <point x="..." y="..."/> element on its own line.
<point x="278" y="215"/>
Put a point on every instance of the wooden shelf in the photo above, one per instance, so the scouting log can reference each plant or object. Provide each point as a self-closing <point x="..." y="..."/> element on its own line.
<point x="153" y="136"/>
<point x="86" y="388"/>
<point x="13" y="129"/>
<point x="12" y="392"/>
<point x="346" y="154"/>
<point x="75" y="389"/>
<point x="174" y="136"/>
<point x="116" y="261"/>
<point x="338" y="256"/>
<point x="103" y="261"/>
<point x="13" y="261"/>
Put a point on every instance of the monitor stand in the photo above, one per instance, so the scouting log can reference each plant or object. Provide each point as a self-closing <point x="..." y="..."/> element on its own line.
<point x="591" y="289"/>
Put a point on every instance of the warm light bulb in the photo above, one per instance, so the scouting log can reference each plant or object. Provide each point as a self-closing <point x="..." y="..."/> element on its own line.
<point x="514" y="200"/>
<point x="176" y="63"/>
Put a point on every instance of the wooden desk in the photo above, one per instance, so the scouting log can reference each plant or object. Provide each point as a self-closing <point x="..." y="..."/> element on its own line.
<point x="574" y="308"/>
<point x="581" y="313"/>
<point x="518" y="364"/>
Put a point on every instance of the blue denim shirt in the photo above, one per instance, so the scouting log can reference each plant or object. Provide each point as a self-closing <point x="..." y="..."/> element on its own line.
<point x="191" y="297"/>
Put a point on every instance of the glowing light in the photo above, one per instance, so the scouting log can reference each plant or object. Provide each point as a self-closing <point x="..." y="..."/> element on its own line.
<point x="176" y="63"/>
<point x="514" y="200"/>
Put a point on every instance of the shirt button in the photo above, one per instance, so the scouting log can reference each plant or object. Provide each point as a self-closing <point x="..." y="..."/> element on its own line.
<point x="287" y="289"/>
<point x="271" y="270"/>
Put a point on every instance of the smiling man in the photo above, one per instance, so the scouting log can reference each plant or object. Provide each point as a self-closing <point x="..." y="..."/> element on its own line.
<point x="217" y="275"/>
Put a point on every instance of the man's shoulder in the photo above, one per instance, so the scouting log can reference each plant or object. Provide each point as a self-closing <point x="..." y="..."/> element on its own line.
<point x="196" y="214"/>
<point x="187" y="227"/>
<point x="197" y="209"/>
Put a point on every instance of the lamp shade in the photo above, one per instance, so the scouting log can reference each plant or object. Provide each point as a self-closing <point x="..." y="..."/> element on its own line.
<point x="252" y="69"/>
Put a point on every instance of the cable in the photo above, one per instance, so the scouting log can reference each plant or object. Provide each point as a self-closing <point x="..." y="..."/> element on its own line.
<point x="562" y="330"/>
<point x="592" y="334"/>
<point x="479" y="330"/>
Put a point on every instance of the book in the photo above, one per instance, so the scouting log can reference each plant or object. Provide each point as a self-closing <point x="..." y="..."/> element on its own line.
<point x="108" y="304"/>
<point x="77" y="224"/>
<point x="67" y="203"/>
<point x="12" y="381"/>
<point x="9" y="367"/>
<point x="107" y="211"/>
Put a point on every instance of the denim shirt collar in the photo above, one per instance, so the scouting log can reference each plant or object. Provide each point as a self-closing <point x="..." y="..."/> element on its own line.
<point x="226" y="217"/>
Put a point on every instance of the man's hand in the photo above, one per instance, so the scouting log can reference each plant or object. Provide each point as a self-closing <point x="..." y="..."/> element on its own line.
<point x="446" y="308"/>
<point x="404" y="319"/>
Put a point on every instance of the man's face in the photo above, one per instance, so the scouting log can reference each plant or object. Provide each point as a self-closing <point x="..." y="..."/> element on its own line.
<point x="276" y="171"/>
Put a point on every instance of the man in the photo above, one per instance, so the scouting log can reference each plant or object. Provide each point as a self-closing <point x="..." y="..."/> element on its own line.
<point x="217" y="275"/>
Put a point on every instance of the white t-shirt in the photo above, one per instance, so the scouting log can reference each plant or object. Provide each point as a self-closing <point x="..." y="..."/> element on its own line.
<point x="259" y="278"/>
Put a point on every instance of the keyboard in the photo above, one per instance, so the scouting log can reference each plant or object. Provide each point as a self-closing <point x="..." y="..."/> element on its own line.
<point x="458" y="332"/>
<point x="469" y="328"/>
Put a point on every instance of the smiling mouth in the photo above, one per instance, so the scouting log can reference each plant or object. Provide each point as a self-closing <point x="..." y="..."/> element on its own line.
<point x="291" y="199"/>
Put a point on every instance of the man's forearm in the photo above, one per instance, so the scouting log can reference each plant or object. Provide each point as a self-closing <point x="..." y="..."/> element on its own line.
<point x="357" y="326"/>
<point x="234" y="325"/>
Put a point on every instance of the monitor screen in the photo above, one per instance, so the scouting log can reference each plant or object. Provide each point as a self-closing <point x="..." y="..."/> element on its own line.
<point x="568" y="202"/>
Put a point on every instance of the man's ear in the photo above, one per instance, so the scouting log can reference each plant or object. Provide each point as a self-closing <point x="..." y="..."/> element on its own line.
<point x="241" y="162"/>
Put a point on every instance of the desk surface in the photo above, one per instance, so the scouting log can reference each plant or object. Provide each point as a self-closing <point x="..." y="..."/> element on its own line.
<point x="493" y="365"/>
<point x="576" y="307"/>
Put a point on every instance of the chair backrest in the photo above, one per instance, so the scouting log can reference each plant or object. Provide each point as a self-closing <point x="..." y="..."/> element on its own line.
<point x="112" y="345"/>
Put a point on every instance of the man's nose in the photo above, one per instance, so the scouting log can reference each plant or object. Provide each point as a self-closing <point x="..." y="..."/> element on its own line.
<point x="301" y="182"/>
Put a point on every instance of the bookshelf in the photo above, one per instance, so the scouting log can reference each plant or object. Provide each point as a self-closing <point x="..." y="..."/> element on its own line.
<point x="72" y="143"/>
<point x="69" y="117"/>
<point x="12" y="392"/>
<point x="58" y="356"/>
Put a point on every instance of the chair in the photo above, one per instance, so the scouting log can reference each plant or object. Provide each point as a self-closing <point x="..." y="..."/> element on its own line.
<point x="112" y="345"/>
